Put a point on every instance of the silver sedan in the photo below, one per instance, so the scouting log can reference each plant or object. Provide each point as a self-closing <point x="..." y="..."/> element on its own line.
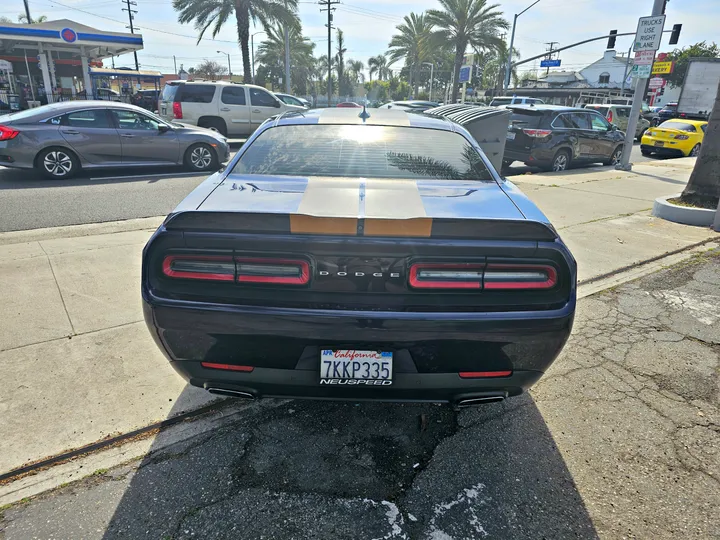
<point x="60" y="139"/>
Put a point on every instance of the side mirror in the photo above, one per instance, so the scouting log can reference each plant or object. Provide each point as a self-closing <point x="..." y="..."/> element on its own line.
<point x="612" y="127"/>
<point x="277" y="104"/>
<point x="162" y="128"/>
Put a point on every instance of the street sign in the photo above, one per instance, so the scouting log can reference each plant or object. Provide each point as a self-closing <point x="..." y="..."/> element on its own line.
<point x="465" y="74"/>
<point x="662" y="68"/>
<point x="644" y="58"/>
<point x="641" y="72"/>
<point x="656" y="82"/>
<point x="468" y="59"/>
<point x="649" y="33"/>
<point x="549" y="63"/>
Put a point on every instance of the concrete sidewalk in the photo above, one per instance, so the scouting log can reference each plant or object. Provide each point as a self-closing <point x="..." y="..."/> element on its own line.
<point x="78" y="365"/>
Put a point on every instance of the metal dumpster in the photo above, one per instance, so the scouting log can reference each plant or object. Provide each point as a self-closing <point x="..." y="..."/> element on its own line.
<point x="488" y="125"/>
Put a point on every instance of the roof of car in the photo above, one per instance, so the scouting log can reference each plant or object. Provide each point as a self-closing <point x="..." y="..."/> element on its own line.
<point x="687" y="121"/>
<point x="542" y="107"/>
<point x="377" y="117"/>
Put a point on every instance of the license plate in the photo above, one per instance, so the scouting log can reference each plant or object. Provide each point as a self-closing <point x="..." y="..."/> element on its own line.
<point x="659" y="143"/>
<point x="353" y="367"/>
<point x="511" y="136"/>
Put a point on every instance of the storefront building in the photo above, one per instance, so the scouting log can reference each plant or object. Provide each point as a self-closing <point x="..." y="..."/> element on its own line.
<point x="45" y="62"/>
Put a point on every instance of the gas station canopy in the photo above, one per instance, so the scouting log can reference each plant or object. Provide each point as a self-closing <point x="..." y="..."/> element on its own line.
<point x="62" y="42"/>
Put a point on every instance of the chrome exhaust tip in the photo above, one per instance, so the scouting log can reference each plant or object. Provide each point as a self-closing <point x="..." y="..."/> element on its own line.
<point x="230" y="393"/>
<point x="480" y="400"/>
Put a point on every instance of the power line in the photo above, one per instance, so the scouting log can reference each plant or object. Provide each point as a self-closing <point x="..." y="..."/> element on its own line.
<point x="131" y="16"/>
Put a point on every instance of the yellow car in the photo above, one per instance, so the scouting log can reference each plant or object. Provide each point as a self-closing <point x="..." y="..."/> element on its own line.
<point x="677" y="137"/>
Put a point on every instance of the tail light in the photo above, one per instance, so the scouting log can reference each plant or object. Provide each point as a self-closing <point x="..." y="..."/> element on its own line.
<point x="280" y="271"/>
<point x="237" y="269"/>
<point x="609" y="116"/>
<point x="199" y="267"/>
<point x="446" y="276"/>
<point x="177" y="110"/>
<point x="519" y="276"/>
<point x="537" y="133"/>
<point x="682" y="137"/>
<point x="7" y="133"/>
<point x="494" y="276"/>
<point x="227" y="367"/>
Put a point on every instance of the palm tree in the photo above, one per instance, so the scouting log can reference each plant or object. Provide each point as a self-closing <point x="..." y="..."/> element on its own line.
<point x="467" y="22"/>
<point x="215" y="13"/>
<point x="271" y="53"/>
<point x="343" y="81"/>
<point x="378" y="64"/>
<point x="412" y="44"/>
<point x="22" y="18"/>
<point x="355" y="68"/>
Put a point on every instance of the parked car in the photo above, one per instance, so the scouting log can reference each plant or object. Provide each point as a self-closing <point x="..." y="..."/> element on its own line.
<point x="230" y="109"/>
<point x="453" y="287"/>
<point x="669" y="111"/>
<point x="514" y="100"/>
<point x="676" y="137"/>
<point x="410" y="106"/>
<point x="620" y="116"/>
<point x="553" y="137"/>
<point x="147" y="99"/>
<point x="294" y="100"/>
<point x="106" y="94"/>
<point x="60" y="139"/>
<point x="655" y="110"/>
<point x="349" y="105"/>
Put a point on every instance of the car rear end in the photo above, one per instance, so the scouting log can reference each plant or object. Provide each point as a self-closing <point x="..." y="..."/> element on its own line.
<point x="530" y="137"/>
<point x="358" y="288"/>
<point x="672" y="138"/>
<point x="168" y="110"/>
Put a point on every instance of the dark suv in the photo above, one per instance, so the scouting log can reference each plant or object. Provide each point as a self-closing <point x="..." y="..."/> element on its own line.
<point x="553" y="137"/>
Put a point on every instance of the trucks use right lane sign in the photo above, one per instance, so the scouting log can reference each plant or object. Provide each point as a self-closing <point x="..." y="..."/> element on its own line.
<point x="649" y="33"/>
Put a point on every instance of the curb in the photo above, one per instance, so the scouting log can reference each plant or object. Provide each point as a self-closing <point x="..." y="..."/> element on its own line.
<point x="699" y="217"/>
<point x="74" y="231"/>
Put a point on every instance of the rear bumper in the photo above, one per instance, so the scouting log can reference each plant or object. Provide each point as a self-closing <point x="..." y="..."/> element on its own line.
<point x="662" y="150"/>
<point x="430" y="348"/>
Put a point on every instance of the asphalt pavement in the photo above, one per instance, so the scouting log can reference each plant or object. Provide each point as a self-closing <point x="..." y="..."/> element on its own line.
<point x="618" y="440"/>
<point x="28" y="201"/>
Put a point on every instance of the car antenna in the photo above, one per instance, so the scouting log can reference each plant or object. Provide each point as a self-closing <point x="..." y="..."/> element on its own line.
<point x="364" y="114"/>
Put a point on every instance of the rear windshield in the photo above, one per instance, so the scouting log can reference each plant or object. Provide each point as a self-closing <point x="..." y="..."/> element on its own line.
<point x="361" y="151"/>
<point x="682" y="126"/>
<point x="169" y="92"/>
<point x="601" y="110"/>
<point x="501" y="101"/>
<point x="671" y="107"/>
<point x="526" y="120"/>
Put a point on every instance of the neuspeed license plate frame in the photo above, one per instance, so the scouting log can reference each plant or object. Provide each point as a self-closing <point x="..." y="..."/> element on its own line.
<point x="355" y="367"/>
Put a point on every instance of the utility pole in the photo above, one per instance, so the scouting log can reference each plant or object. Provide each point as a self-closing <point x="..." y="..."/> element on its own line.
<point x="287" y="56"/>
<point x="638" y="96"/>
<point x="27" y="13"/>
<point x="550" y="50"/>
<point x="131" y="13"/>
<point x="508" y="68"/>
<point x="175" y="64"/>
<point x="329" y="9"/>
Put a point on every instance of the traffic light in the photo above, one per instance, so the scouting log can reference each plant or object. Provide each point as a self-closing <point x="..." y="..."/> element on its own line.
<point x="675" y="35"/>
<point x="611" y="39"/>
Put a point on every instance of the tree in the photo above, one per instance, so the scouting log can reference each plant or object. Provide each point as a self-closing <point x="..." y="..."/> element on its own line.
<point x="206" y="13"/>
<point x="209" y="69"/>
<point x="344" y="85"/>
<point x="467" y="22"/>
<point x="682" y="57"/>
<point x="703" y="188"/>
<point x="271" y="54"/>
<point x="379" y="64"/>
<point x="22" y="18"/>
<point x="411" y="43"/>
<point x="355" y="68"/>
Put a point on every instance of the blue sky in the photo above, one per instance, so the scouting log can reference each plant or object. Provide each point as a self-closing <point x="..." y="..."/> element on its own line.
<point x="368" y="26"/>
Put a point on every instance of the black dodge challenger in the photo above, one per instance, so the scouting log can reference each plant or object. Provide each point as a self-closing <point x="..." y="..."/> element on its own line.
<point x="347" y="255"/>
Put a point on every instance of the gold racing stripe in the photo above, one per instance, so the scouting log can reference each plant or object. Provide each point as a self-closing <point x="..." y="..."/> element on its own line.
<point x="328" y="206"/>
<point x="395" y="208"/>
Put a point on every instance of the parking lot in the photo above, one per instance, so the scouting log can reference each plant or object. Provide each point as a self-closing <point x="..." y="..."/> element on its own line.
<point x="618" y="440"/>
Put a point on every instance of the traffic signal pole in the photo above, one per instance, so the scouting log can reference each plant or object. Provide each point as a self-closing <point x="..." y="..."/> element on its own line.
<point x="638" y="96"/>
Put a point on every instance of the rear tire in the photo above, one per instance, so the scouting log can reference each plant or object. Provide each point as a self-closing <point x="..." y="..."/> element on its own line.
<point x="645" y="153"/>
<point x="695" y="150"/>
<point x="561" y="161"/>
<point x="214" y="124"/>
<point x="57" y="163"/>
<point x="201" y="157"/>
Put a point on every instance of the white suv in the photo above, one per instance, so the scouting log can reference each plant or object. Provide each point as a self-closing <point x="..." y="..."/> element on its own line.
<point x="515" y="100"/>
<point x="234" y="110"/>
